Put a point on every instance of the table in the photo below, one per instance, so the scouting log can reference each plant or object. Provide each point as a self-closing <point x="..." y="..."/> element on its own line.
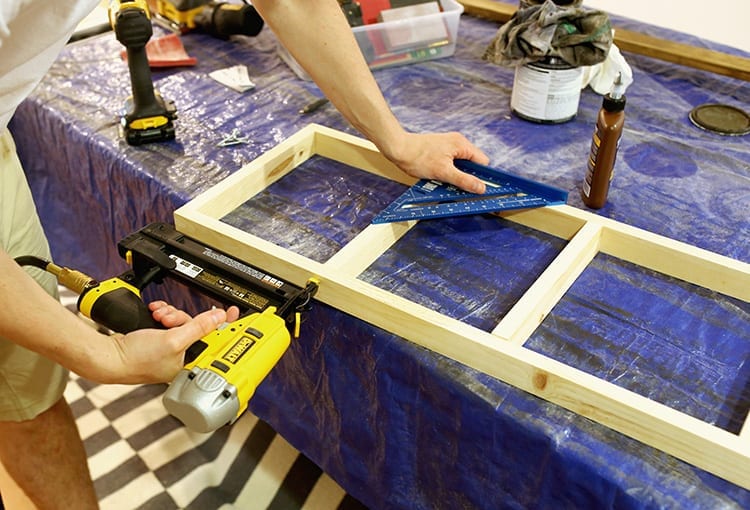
<point x="398" y="426"/>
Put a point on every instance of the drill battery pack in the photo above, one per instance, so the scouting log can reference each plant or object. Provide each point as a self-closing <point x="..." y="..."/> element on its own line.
<point x="146" y="125"/>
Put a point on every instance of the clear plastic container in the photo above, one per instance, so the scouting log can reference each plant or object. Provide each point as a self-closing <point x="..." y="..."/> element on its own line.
<point x="403" y="41"/>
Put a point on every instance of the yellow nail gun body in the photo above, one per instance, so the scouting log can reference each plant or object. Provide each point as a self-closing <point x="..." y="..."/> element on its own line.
<point x="215" y="388"/>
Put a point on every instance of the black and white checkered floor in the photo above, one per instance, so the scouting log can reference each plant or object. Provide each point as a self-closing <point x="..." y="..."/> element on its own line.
<point x="142" y="458"/>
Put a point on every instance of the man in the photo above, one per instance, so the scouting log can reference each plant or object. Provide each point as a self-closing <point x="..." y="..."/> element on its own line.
<point x="40" y="340"/>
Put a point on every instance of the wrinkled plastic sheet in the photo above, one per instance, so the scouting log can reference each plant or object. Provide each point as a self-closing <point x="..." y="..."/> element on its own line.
<point x="397" y="425"/>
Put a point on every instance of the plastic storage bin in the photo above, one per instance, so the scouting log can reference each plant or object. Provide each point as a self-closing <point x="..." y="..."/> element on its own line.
<point x="403" y="41"/>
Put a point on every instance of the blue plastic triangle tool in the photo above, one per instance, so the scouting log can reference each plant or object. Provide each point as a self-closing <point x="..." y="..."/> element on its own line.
<point x="429" y="199"/>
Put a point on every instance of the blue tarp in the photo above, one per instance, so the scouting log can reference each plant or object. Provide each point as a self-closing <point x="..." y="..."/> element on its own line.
<point x="396" y="425"/>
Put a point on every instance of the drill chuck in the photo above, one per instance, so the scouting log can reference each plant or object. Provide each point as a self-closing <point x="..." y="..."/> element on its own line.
<point x="223" y="20"/>
<point x="132" y="26"/>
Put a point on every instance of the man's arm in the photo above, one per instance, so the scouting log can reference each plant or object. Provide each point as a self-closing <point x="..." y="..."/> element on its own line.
<point x="33" y="319"/>
<point x="318" y="36"/>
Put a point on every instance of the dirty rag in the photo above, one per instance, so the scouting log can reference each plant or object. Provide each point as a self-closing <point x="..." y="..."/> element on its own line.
<point x="578" y="36"/>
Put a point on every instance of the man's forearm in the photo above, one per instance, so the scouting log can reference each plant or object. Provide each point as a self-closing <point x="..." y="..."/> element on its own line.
<point x="319" y="38"/>
<point x="317" y="34"/>
<point x="35" y="320"/>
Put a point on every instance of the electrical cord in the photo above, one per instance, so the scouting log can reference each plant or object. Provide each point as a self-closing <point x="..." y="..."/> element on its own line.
<point x="30" y="260"/>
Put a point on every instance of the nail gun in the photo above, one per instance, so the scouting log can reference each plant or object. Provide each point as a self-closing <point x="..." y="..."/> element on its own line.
<point x="224" y="368"/>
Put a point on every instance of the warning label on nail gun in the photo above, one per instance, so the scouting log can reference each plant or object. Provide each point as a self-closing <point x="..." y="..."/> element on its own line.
<point x="242" y="267"/>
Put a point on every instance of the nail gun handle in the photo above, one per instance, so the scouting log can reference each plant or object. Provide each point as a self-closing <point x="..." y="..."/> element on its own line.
<point x="118" y="306"/>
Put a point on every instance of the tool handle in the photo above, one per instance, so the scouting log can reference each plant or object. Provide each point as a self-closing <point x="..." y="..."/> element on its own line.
<point x="118" y="309"/>
<point x="142" y="86"/>
<point x="133" y="29"/>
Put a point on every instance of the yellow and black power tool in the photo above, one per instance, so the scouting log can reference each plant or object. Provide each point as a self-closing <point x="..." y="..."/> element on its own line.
<point x="224" y="368"/>
<point x="214" y="389"/>
<point x="115" y="304"/>
<point x="219" y="19"/>
<point x="146" y="117"/>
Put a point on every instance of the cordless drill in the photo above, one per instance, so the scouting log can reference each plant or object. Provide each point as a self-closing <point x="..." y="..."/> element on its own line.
<point x="147" y="116"/>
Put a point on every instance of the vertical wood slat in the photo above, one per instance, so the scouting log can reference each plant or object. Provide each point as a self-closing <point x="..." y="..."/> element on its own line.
<point x="531" y="309"/>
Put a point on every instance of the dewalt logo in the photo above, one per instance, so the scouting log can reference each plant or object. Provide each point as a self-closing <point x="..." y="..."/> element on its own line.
<point x="239" y="349"/>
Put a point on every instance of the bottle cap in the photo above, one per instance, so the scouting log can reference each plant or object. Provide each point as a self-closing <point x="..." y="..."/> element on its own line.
<point x="615" y="100"/>
<point x="721" y="118"/>
<point x="613" y="104"/>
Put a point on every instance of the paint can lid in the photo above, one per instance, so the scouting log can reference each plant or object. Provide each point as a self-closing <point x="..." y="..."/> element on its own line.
<point x="721" y="118"/>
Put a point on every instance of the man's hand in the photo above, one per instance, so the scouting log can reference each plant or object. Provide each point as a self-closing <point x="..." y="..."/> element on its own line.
<point x="154" y="355"/>
<point x="431" y="155"/>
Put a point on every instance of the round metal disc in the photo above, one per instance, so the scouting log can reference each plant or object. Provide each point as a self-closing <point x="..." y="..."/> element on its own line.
<point x="721" y="118"/>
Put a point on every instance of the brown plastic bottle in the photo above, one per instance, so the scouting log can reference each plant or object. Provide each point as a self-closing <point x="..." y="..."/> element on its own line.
<point x="604" y="146"/>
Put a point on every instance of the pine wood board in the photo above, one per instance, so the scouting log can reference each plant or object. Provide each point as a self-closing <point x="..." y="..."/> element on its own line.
<point x="500" y="353"/>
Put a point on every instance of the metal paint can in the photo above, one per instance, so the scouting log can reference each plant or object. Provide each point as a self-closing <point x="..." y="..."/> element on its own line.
<point x="547" y="91"/>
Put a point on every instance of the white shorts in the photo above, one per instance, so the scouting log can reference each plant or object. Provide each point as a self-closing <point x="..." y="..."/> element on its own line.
<point x="29" y="383"/>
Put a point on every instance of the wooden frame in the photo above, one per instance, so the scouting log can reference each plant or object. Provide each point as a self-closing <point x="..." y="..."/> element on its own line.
<point x="499" y="353"/>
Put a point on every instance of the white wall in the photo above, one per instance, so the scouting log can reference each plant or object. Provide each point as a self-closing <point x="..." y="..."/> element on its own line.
<point x="722" y="21"/>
